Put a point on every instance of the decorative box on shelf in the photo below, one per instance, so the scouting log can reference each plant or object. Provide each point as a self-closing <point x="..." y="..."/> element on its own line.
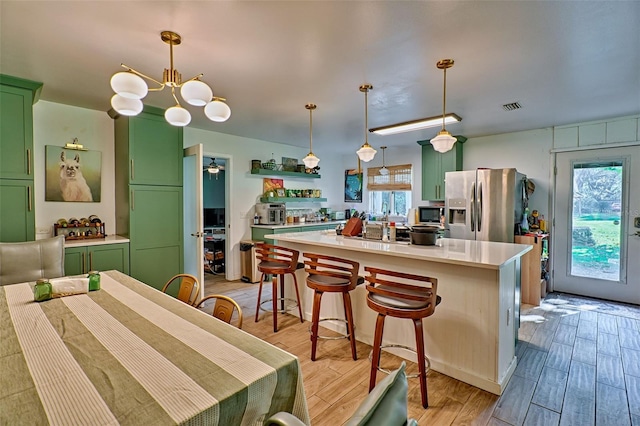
<point x="80" y="232"/>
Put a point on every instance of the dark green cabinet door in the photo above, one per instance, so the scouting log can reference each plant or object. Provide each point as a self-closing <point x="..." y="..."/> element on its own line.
<point x="104" y="257"/>
<point x="16" y="133"/>
<point x="430" y="173"/>
<point x="156" y="233"/>
<point x="155" y="151"/>
<point x="75" y="259"/>
<point x="18" y="221"/>
<point x="108" y="256"/>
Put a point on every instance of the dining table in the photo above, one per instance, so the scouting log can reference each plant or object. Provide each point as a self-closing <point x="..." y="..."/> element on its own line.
<point x="129" y="354"/>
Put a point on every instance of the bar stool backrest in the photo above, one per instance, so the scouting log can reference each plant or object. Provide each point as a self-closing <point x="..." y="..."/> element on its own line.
<point x="272" y="253"/>
<point x="398" y="285"/>
<point x="318" y="264"/>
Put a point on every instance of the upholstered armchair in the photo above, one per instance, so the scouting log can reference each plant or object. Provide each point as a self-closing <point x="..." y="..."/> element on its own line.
<point x="385" y="405"/>
<point x="31" y="260"/>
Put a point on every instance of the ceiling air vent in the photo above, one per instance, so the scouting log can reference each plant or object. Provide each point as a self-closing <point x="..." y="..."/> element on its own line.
<point x="512" y="106"/>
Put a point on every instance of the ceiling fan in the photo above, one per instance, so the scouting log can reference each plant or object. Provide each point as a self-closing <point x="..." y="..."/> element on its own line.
<point x="213" y="168"/>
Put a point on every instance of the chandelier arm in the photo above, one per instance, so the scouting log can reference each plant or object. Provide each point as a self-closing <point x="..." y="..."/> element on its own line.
<point x="197" y="77"/>
<point x="173" y="93"/>
<point x="138" y="73"/>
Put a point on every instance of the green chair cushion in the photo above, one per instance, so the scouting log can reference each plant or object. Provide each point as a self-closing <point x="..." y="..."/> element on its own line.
<point x="386" y="404"/>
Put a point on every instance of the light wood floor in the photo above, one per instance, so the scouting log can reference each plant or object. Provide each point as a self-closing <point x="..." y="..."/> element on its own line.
<point x="578" y="364"/>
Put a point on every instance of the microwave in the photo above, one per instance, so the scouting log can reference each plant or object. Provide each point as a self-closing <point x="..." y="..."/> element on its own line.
<point x="271" y="213"/>
<point x="429" y="214"/>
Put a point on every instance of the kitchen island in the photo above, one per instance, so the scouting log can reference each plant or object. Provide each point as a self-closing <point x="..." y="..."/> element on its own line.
<point x="472" y="334"/>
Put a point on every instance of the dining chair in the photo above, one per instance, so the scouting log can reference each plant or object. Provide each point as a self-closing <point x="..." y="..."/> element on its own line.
<point x="188" y="288"/>
<point x="31" y="260"/>
<point x="223" y="308"/>
<point x="387" y="404"/>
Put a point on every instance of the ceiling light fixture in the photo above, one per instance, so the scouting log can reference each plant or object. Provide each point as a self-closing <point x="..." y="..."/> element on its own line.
<point x="409" y="126"/>
<point x="383" y="171"/>
<point x="310" y="161"/>
<point x="366" y="151"/>
<point x="213" y="167"/>
<point x="443" y="142"/>
<point x="130" y="88"/>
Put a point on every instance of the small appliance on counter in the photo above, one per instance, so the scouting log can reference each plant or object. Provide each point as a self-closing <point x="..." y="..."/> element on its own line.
<point x="271" y="213"/>
<point x="338" y="215"/>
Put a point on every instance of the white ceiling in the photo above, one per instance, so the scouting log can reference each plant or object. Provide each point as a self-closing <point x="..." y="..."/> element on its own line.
<point x="564" y="62"/>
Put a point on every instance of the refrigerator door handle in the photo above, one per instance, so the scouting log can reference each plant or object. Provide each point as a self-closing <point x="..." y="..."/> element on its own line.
<point x="479" y="204"/>
<point x="472" y="207"/>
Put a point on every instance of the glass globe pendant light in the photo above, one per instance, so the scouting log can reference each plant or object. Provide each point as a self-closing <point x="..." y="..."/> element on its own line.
<point x="310" y="161"/>
<point x="217" y="110"/>
<point x="383" y="171"/>
<point x="366" y="151"/>
<point x="443" y="141"/>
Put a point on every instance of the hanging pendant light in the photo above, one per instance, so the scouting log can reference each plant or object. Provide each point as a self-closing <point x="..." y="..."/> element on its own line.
<point x="383" y="171"/>
<point x="310" y="161"/>
<point x="443" y="142"/>
<point x="366" y="151"/>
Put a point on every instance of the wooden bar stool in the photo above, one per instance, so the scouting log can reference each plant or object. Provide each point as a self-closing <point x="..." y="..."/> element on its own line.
<point x="278" y="261"/>
<point x="392" y="293"/>
<point x="332" y="275"/>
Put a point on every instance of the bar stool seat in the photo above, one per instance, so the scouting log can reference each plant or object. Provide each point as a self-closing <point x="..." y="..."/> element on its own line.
<point x="328" y="274"/>
<point x="396" y="294"/>
<point x="277" y="261"/>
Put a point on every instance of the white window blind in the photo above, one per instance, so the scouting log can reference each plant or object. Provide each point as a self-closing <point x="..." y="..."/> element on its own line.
<point x="398" y="179"/>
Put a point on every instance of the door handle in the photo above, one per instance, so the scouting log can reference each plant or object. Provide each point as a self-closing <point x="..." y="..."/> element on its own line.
<point x="198" y="234"/>
<point x="83" y="263"/>
<point x="28" y="162"/>
<point x="473" y="207"/>
<point x="479" y="207"/>
<point x="91" y="261"/>
<point x="133" y="174"/>
<point x="29" y="203"/>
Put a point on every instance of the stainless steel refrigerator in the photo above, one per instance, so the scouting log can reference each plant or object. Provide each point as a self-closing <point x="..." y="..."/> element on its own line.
<point x="484" y="204"/>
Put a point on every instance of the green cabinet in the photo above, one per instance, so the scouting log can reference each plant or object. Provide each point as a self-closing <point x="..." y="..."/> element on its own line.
<point x="149" y="202"/>
<point x="17" y="211"/>
<point x="103" y="257"/>
<point x="17" y="97"/>
<point x="435" y="165"/>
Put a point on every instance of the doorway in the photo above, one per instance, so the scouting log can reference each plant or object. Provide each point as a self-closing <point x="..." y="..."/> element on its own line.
<point x="596" y="234"/>
<point x="216" y="220"/>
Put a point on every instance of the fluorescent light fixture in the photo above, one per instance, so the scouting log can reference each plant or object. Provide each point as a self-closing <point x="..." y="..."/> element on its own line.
<point x="409" y="126"/>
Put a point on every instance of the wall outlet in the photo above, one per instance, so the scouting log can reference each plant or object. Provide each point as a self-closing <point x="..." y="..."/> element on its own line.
<point x="636" y="222"/>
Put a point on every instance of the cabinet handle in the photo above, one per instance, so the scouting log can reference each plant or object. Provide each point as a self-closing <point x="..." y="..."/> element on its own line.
<point x="436" y="190"/>
<point x="91" y="261"/>
<point x="29" y="162"/>
<point x="83" y="263"/>
<point x="133" y="203"/>
<point x="133" y="174"/>
<point x="29" y="197"/>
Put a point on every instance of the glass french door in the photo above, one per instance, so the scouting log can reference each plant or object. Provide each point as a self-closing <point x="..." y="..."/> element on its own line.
<point x="595" y="241"/>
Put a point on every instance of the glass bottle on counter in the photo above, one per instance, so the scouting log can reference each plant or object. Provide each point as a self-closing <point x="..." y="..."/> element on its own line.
<point x="392" y="231"/>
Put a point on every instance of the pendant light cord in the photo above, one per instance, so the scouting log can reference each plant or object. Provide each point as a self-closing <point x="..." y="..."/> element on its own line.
<point x="310" y="130"/>
<point x="366" y="117"/>
<point x="444" y="98"/>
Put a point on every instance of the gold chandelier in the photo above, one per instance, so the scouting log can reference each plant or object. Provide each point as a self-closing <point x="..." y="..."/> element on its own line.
<point x="130" y="88"/>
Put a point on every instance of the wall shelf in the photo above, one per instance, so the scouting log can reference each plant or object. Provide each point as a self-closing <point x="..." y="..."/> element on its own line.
<point x="292" y="200"/>
<point x="268" y="172"/>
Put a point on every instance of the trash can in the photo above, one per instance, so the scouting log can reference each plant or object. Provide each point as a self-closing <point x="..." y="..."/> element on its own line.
<point x="248" y="262"/>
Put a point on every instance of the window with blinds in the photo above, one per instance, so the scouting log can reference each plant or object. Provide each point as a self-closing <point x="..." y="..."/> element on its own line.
<point x="398" y="179"/>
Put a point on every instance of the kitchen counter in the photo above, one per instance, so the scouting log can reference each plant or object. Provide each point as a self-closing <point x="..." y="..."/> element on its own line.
<point x="472" y="334"/>
<point x="298" y="225"/>
<point x="110" y="239"/>
<point x="480" y="254"/>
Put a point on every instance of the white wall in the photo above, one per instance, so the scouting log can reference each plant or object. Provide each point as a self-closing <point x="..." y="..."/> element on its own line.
<point x="527" y="151"/>
<point x="56" y="124"/>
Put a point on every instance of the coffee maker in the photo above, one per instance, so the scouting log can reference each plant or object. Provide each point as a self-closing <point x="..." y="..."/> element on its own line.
<point x="271" y="213"/>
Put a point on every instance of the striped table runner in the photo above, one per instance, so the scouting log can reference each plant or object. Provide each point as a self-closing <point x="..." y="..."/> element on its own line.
<point x="129" y="354"/>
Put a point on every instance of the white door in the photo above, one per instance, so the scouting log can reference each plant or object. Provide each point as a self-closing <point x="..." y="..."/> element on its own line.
<point x="192" y="209"/>
<point x="596" y="235"/>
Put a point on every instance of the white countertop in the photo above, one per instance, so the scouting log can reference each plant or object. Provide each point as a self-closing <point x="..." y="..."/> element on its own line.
<point x="298" y="225"/>
<point x="479" y="254"/>
<point x="111" y="239"/>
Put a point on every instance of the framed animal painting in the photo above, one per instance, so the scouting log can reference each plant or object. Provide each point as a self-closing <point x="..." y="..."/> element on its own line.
<point x="72" y="175"/>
